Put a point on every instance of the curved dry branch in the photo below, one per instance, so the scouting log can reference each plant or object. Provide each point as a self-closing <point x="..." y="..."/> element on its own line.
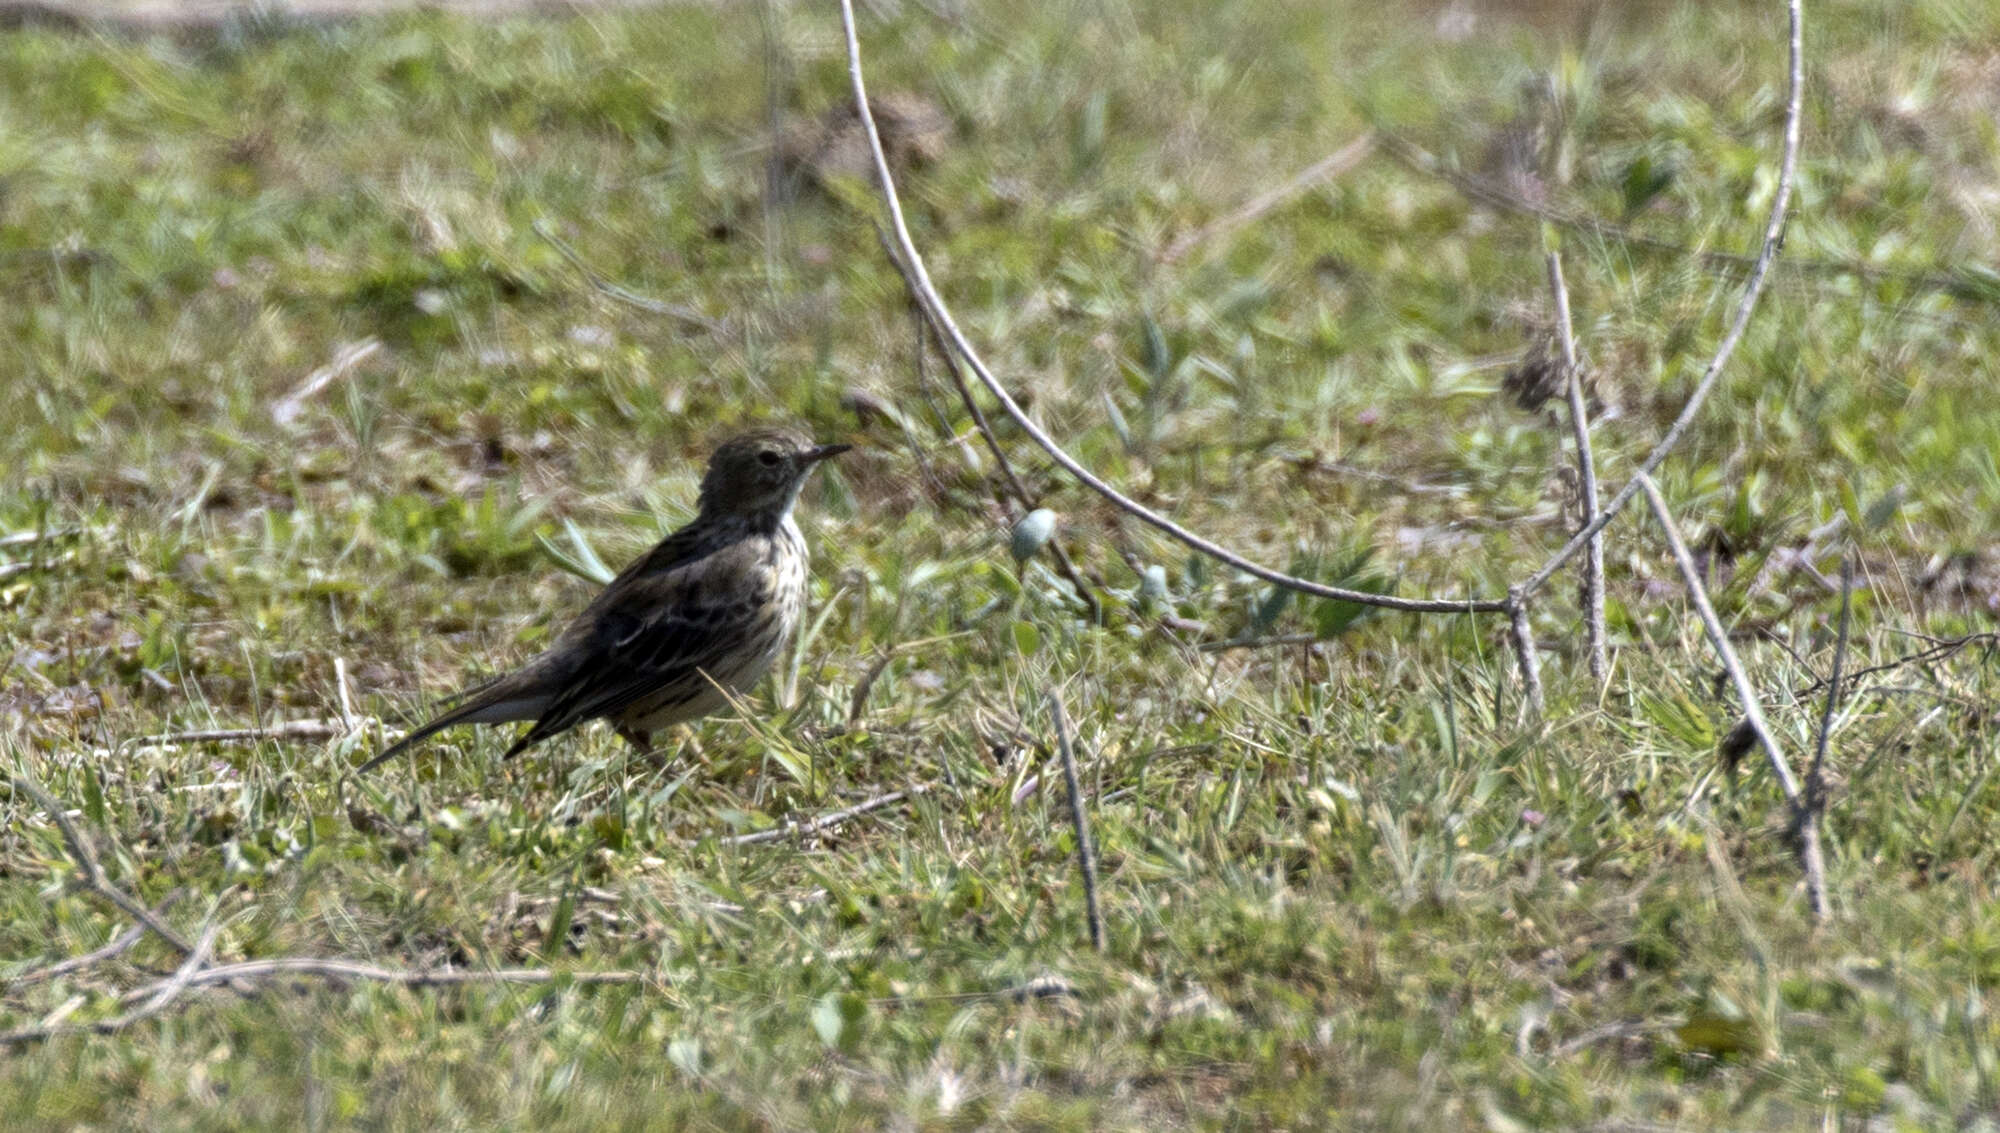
<point x="1586" y="469"/>
<point x="927" y="295"/>
<point x="1774" y="230"/>
<point x="94" y="879"/>
<point x="1805" y="818"/>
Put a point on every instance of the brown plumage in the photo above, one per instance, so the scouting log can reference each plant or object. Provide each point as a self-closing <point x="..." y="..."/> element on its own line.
<point x="711" y="605"/>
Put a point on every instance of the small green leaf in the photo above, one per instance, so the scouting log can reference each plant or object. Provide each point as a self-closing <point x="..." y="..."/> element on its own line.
<point x="1883" y="509"/>
<point x="1645" y="179"/>
<point x="93" y="797"/>
<point x="557" y="935"/>
<point x="1154" y="354"/>
<point x="1714" y="1033"/>
<point x="1027" y="638"/>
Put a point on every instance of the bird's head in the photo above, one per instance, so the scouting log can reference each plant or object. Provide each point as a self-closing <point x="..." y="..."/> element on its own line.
<point x="758" y="473"/>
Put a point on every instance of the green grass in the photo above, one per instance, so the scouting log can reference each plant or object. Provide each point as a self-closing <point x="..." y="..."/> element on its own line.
<point x="1344" y="884"/>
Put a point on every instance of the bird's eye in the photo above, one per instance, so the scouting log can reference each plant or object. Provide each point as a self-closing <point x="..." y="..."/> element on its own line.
<point x="768" y="459"/>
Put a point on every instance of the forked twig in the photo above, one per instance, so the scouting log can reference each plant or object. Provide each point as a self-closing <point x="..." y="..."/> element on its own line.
<point x="823" y="822"/>
<point x="1586" y="469"/>
<point x="927" y="295"/>
<point x="1086" y="852"/>
<point x="1774" y="229"/>
<point x="158" y="997"/>
<point x="111" y="949"/>
<point x="1015" y="485"/>
<point x="1805" y="820"/>
<point x="95" y="879"/>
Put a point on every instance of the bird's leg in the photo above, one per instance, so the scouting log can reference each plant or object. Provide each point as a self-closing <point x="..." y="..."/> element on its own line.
<point x="642" y="742"/>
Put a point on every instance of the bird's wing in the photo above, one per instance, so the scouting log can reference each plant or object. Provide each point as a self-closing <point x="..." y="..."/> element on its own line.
<point x="545" y="690"/>
<point x="655" y="626"/>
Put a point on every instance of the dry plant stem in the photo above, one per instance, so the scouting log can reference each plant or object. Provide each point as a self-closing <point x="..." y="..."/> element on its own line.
<point x="1815" y="804"/>
<point x="312" y="967"/>
<point x="94" y="877"/>
<point x="1482" y="190"/>
<point x="858" y="703"/>
<point x="1086" y="853"/>
<point x="1586" y="468"/>
<point x="282" y="730"/>
<point x="927" y="294"/>
<point x="1523" y="637"/>
<point x="1774" y="228"/>
<point x="112" y="949"/>
<point x="823" y="822"/>
<point x="1941" y="649"/>
<point x="1332" y="165"/>
<point x="287" y="408"/>
<point x="340" y="688"/>
<point x="30" y="538"/>
<point x="158" y="997"/>
<point x="1806" y="822"/>
<point x="611" y="290"/>
<point x="1064" y="564"/>
<point x="1015" y="485"/>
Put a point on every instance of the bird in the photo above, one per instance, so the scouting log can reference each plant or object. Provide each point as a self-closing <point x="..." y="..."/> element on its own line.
<point x="690" y="623"/>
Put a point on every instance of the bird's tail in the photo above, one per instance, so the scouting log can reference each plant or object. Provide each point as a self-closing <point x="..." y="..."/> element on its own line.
<point x="495" y="702"/>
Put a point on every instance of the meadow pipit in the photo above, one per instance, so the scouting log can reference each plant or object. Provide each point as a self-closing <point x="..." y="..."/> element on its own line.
<point x="706" y="610"/>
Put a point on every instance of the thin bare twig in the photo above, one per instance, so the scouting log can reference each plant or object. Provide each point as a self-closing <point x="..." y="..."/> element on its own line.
<point x="1486" y="191"/>
<point x="1332" y="165"/>
<point x="858" y="703"/>
<point x="1273" y="640"/>
<point x="1815" y="803"/>
<point x="1586" y="469"/>
<point x="823" y="822"/>
<point x="1774" y="229"/>
<point x="927" y="294"/>
<point x="94" y="878"/>
<point x="311" y="967"/>
<point x="1807" y="823"/>
<point x="30" y="538"/>
<point x="1523" y="637"/>
<point x="192" y="974"/>
<point x="1086" y="853"/>
<point x="282" y="730"/>
<point x="157" y="998"/>
<point x="110" y="950"/>
<point x="623" y="295"/>
<point x="1019" y="489"/>
<point x="345" y="360"/>
<point x="1941" y="649"/>
<point x="340" y="687"/>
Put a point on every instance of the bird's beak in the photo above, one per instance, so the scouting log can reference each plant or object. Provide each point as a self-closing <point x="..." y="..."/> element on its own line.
<point x="815" y="455"/>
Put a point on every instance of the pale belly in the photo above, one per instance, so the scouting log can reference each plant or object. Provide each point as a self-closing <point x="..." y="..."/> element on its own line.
<point x="739" y="674"/>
